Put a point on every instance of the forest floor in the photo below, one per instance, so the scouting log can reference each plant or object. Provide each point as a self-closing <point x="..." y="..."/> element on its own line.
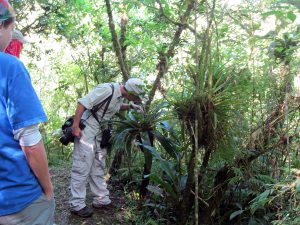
<point x="113" y="216"/>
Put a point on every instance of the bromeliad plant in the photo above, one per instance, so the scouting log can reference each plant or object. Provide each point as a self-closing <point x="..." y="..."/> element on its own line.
<point x="143" y="129"/>
<point x="208" y="110"/>
<point x="159" y="142"/>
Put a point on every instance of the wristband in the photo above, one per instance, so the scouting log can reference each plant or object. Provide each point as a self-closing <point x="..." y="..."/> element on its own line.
<point x="131" y="106"/>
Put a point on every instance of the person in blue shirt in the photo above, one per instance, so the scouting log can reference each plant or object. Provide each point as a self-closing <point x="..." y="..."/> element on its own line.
<point x="26" y="191"/>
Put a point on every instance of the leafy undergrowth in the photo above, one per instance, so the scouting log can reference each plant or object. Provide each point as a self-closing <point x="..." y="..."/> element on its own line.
<point x="121" y="213"/>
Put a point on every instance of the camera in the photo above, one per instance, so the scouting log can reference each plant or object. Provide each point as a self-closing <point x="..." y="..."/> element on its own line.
<point x="67" y="136"/>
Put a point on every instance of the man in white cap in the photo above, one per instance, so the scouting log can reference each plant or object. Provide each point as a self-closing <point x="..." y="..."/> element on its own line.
<point x="99" y="105"/>
<point x="136" y="87"/>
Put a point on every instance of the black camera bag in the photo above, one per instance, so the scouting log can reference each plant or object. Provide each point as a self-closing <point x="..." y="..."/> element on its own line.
<point x="106" y="138"/>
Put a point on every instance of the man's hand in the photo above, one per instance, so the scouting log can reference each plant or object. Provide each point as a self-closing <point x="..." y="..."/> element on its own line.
<point x="76" y="131"/>
<point x="137" y="107"/>
<point x="49" y="192"/>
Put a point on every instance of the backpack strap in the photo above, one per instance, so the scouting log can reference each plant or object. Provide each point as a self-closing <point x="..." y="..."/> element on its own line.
<point x="95" y="109"/>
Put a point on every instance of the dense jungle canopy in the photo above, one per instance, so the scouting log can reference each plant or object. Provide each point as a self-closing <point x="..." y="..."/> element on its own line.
<point x="219" y="140"/>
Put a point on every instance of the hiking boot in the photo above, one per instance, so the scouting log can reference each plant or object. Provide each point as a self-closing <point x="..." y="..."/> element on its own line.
<point x="105" y="207"/>
<point x="84" y="212"/>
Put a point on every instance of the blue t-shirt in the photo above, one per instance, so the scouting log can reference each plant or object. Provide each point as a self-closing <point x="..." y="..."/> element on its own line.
<point x="19" y="107"/>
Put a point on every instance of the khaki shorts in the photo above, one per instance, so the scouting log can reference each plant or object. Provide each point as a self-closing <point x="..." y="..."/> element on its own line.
<point x="39" y="212"/>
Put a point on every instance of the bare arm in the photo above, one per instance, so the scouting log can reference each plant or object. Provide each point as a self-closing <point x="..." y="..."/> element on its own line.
<point x="37" y="160"/>
<point x="75" y="128"/>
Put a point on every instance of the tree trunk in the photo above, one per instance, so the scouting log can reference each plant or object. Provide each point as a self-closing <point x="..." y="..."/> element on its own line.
<point x="116" y="163"/>
<point x="147" y="166"/>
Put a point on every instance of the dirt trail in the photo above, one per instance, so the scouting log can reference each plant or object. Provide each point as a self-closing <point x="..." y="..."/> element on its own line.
<point x="113" y="216"/>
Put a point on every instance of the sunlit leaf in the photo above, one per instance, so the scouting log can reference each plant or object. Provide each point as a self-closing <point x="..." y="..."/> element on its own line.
<point x="235" y="214"/>
<point x="291" y="16"/>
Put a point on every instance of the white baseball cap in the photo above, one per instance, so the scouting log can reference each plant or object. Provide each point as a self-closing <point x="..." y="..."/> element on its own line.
<point x="136" y="87"/>
<point x="16" y="34"/>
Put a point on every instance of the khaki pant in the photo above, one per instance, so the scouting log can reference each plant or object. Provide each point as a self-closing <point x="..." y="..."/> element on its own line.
<point x="39" y="212"/>
<point x="88" y="166"/>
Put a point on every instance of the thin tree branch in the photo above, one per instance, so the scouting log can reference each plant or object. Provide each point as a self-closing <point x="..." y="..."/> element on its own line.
<point x="116" y="43"/>
<point x="124" y="21"/>
<point x="162" y="65"/>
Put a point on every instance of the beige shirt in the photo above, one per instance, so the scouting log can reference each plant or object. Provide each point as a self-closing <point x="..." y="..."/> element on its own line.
<point x="97" y="95"/>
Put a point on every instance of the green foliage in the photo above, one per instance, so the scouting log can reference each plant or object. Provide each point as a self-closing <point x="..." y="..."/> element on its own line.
<point x="235" y="214"/>
<point x="172" y="180"/>
<point x="220" y="76"/>
<point x="282" y="49"/>
<point x="261" y="200"/>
